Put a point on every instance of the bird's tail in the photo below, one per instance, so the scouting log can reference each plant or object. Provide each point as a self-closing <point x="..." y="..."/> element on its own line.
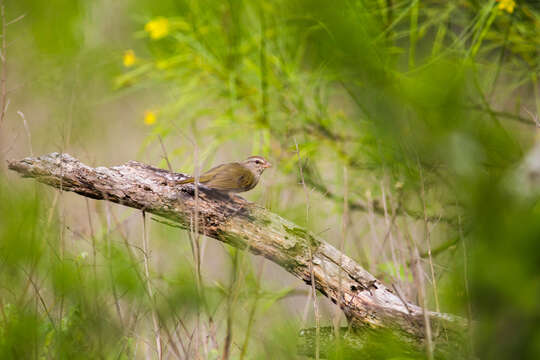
<point x="186" y="181"/>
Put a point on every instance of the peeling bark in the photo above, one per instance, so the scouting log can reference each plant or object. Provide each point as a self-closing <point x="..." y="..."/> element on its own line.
<point x="237" y="222"/>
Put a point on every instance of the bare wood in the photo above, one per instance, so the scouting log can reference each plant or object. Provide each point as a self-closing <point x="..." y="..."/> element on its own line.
<point x="364" y="300"/>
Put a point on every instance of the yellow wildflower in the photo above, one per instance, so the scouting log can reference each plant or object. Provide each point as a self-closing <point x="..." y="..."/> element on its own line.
<point x="149" y="117"/>
<point x="129" y="58"/>
<point x="507" y="5"/>
<point x="157" y="28"/>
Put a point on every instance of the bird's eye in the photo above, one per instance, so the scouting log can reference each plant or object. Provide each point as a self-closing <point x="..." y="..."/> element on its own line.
<point x="258" y="162"/>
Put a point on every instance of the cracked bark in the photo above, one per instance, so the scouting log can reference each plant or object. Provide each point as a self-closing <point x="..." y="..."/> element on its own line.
<point x="366" y="302"/>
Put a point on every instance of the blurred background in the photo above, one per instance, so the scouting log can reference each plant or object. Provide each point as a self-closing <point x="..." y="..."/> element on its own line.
<point x="414" y="124"/>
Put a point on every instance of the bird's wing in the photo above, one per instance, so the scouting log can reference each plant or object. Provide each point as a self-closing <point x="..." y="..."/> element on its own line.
<point x="229" y="177"/>
<point x="212" y="173"/>
<point x="205" y="177"/>
<point x="226" y="177"/>
<point x="247" y="180"/>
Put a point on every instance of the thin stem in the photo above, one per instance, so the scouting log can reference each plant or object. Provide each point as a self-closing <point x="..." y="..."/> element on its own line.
<point x="251" y="316"/>
<point x="413" y="34"/>
<point x="165" y="156"/>
<point x="344" y="223"/>
<point x="500" y="60"/>
<point x="230" y="307"/>
<point x="41" y="300"/>
<point x="196" y="246"/>
<point x="389" y="235"/>
<point x="302" y="179"/>
<point x="427" y="236"/>
<point x="110" y="267"/>
<point x="264" y="76"/>
<point x="94" y="262"/>
<point x="423" y="301"/>
<point x="312" y="275"/>
<point x="27" y="130"/>
<point x="93" y="238"/>
<point x="466" y="282"/>
<point x="149" y="287"/>
<point x="315" y="307"/>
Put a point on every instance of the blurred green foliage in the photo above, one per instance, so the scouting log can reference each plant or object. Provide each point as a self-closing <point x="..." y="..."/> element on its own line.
<point x="420" y="101"/>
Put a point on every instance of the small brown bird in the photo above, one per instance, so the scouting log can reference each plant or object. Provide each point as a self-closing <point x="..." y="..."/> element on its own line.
<point x="233" y="177"/>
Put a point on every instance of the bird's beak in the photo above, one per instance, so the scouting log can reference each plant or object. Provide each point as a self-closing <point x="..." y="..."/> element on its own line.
<point x="267" y="165"/>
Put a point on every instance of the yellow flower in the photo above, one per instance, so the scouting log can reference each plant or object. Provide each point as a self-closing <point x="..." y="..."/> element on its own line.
<point x="129" y="58"/>
<point x="507" y="5"/>
<point x="157" y="28"/>
<point x="149" y="117"/>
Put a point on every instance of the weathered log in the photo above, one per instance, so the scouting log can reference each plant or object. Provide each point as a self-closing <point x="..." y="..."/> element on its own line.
<point x="237" y="222"/>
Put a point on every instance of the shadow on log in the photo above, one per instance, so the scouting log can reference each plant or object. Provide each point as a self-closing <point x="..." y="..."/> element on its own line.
<point x="365" y="301"/>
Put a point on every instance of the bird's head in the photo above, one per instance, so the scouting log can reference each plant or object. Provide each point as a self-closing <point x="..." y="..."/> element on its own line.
<point x="257" y="164"/>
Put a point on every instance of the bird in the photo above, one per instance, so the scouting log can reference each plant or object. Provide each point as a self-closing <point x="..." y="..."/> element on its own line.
<point x="234" y="177"/>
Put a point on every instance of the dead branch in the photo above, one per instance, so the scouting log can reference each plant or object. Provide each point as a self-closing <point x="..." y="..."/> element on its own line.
<point x="366" y="302"/>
